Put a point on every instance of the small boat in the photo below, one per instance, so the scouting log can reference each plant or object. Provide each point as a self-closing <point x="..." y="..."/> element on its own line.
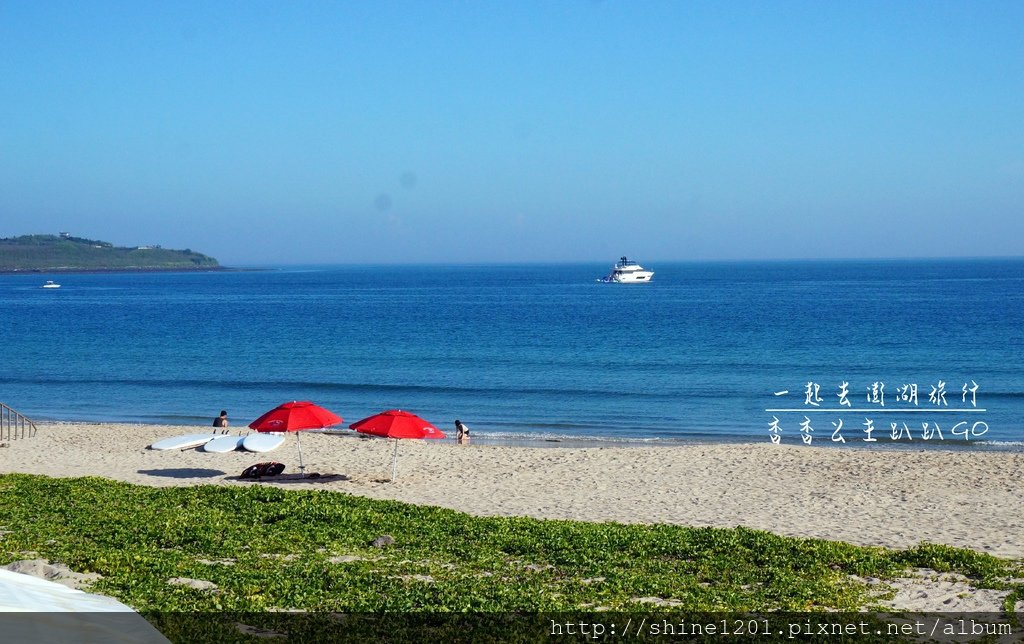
<point x="51" y="284"/>
<point x="627" y="271"/>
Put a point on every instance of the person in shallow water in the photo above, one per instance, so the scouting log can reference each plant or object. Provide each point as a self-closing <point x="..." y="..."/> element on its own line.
<point x="461" y="432"/>
<point x="222" y="420"/>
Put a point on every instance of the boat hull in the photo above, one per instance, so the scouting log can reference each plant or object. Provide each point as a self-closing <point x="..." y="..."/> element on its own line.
<point x="633" y="278"/>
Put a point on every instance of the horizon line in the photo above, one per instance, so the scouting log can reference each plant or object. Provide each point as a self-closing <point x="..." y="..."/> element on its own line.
<point x="578" y="262"/>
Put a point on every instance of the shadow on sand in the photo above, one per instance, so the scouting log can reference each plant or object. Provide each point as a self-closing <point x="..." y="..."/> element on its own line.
<point x="184" y="473"/>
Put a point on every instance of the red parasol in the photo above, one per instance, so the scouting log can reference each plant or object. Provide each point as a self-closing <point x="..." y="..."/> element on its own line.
<point x="294" y="417"/>
<point x="396" y="424"/>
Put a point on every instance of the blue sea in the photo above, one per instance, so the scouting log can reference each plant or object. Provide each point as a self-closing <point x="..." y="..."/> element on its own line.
<point x="739" y="352"/>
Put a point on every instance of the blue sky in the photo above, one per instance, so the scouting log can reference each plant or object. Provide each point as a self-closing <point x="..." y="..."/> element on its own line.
<point x="290" y="132"/>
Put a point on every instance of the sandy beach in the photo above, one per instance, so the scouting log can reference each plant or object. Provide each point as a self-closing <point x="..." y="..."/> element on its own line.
<point x="962" y="498"/>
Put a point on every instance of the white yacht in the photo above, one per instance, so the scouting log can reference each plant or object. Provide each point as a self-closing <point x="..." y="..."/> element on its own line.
<point x="51" y="284"/>
<point x="627" y="271"/>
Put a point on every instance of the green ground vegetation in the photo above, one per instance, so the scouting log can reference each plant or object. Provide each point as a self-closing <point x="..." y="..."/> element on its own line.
<point x="65" y="253"/>
<point x="311" y="550"/>
<point x="271" y="549"/>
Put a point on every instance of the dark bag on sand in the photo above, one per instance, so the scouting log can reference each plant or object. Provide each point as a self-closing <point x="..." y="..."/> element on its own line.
<point x="260" y="470"/>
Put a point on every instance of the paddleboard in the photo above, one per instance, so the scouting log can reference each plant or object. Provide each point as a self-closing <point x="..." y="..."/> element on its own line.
<point x="262" y="442"/>
<point x="223" y="444"/>
<point x="184" y="442"/>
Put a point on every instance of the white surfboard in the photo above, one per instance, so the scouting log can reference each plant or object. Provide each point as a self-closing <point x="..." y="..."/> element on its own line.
<point x="262" y="442"/>
<point x="184" y="442"/>
<point x="224" y="444"/>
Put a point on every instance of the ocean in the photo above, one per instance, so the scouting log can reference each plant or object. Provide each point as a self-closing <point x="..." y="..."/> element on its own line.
<point x="738" y="352"/>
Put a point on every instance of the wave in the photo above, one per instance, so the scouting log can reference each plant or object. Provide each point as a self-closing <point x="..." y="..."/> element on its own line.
<point x="274" y="385"/>
<point x="576" y="439"/>
<point x="1013" y="395"/>
<point x="1002" y="444"/>
<point x="709" y="393"/>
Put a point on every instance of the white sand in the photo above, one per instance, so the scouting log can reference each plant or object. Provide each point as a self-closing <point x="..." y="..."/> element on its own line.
<point x="968" y="499"/>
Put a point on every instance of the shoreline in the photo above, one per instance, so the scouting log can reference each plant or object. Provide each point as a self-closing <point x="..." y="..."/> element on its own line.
<point x="541" y="440"/>
<point x="895" y="498"/>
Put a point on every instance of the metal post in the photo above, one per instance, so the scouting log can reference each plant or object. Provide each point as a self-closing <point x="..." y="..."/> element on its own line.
<point x="14" y="425"/>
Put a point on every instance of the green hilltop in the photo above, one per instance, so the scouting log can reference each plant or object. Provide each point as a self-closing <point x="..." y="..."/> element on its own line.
<point x="34" y="253"/>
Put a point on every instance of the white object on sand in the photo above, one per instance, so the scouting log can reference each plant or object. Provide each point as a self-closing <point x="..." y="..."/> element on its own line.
<point x="184" y="442"/>
<point x="43" y="611"/>
<point x="224" y="444"/>
<point x="262" y="442"/>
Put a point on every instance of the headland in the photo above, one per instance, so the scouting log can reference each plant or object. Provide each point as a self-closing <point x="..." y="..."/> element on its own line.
<point x="66" y="253"/>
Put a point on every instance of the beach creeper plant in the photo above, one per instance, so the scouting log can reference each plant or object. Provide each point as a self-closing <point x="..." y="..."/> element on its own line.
<point x="260" y="549"/>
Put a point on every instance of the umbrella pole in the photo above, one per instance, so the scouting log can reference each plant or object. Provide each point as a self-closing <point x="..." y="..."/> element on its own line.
<point x="298" y="441"/>
<point x="394" y="461"/>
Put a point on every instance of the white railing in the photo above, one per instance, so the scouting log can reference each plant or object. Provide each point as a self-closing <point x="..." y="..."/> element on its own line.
<point x="14" y="425"/>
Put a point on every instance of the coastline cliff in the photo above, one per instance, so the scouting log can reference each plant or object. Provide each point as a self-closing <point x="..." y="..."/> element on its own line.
<point x="51" y="253"/>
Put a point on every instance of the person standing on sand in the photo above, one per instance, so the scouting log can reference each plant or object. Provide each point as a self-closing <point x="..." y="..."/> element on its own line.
<point x="222" y="420"/>
<point x="461" y="433"/>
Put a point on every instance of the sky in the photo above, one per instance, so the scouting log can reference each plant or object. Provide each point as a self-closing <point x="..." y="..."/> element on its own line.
<point x="529" y="131"/>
